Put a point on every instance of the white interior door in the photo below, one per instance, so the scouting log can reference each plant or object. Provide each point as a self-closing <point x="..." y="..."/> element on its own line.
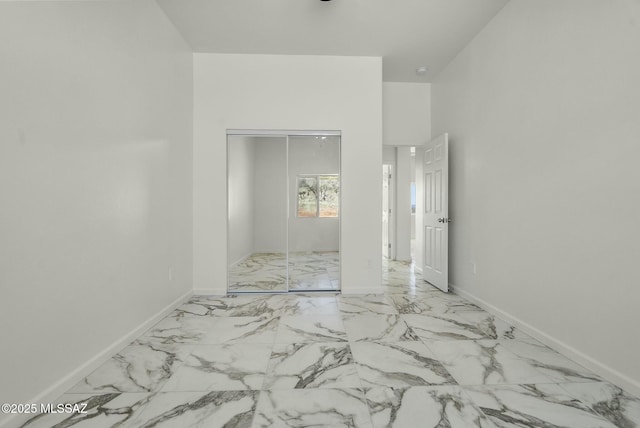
<point x="386" y="209"/>
<point x="436" y="212"/>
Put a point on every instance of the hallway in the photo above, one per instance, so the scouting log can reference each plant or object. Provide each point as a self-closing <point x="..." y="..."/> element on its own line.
<point x="413" y="357"/>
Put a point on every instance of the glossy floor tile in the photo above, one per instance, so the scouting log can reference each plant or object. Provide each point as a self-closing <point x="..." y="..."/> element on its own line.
<point x="312" y="408"/>
<point x="399" y="364"/>
<point x="367" y="304"/>
<point x="542" y="405"/>
<point x="312" y="365"/>
<point x="228" y="367"/>
<point x="424" y="406"/>
<point x="198" y="409"/>
<point x="411" y="357"/>
<point x="484" y="362"/>
<point x="311" y="328"/>
<point x="137" y="368"/>
<point x="377" y="328"/>
<point x="95" y="410"/>
<point x="607" y="400"/>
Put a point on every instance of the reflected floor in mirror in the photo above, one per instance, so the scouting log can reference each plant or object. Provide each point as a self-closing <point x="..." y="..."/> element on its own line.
<point x="267" y="272"/>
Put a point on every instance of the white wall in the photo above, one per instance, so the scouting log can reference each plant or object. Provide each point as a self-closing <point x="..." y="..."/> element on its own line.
<point x="95" y="178"/>
<point x="542" y="109"/>
<point x="389" y="155"/>
<point x="290" y="92"/>
<point x="270" y="195"/>
<point x="406" y="113"/>
<point x="241" y="160"/>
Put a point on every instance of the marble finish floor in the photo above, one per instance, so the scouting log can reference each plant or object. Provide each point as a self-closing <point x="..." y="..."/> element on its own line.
<point x="267" y="272"/>
<point x="412" y="357"/>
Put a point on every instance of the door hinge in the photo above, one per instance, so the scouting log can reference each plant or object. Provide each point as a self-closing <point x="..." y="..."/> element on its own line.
<point x="389" y="246"/>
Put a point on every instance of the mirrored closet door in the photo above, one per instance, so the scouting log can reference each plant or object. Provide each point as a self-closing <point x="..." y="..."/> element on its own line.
<point x="314" y="213"/>
<point x="283" y="223"/>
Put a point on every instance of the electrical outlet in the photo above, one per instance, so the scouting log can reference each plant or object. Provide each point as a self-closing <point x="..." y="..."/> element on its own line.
<point x="170" y="274"/>
<point x="474" y="266"/>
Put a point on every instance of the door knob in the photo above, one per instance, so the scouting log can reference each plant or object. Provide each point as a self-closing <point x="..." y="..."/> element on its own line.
<point x="444" y="220"/>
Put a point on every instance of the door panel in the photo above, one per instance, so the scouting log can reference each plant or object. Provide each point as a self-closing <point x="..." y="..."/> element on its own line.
<point x="437" y="192"/>
<point x="436" y="211"/>
<point x="314" y="213"/>
<point x="428" y="244"/>
<point x="428" y="186"/>
<point x="257" y="213"/>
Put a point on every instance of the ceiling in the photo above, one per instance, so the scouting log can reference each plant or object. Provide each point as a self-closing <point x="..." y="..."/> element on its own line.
<point x="407" y="34"/>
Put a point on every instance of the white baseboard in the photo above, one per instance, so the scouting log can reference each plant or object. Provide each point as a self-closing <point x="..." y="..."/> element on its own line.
<point x="608" y="373"/>
<point x="209" y="291"/>
<point x="64" y="384"/>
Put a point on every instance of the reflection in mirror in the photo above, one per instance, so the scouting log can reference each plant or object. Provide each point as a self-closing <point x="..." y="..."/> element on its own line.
<point x="257" y="217"/>
<point x="314" y="224"/>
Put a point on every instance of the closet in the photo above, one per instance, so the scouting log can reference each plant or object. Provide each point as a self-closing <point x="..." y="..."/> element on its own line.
<point x="283" y="200"/>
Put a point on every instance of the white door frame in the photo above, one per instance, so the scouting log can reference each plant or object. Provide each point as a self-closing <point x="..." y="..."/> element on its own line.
<point x="391" y="251"/>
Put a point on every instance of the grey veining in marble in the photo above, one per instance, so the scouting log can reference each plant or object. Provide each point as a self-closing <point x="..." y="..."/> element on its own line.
<point x="270" y="271"/>
<point x="177" y="328"/>
<point x="398" y="364"/>
<point x="102" y="410"/>
<point x="259" y="272"/>
<point x="406" y="304"/>
<point x="378" y="328"/>
<point x="400" y="278"/>
<point x="484" y="362"/>
<point x="311" y="328"/>
<point x="312" y="365"/>
<point x="534" y="406"/>
<point x="137" y="368"/>
<point x="444" y="303"/>
<point x="232" y="306"/>
<point x="314" y="270"/>
<point x="555" y="366"/>
<point x="413" y="357"/>
<point x="607" y="400"/>
<point x="494" y="327"/>
<point x="260" y="329"/>
<point x="243" y="305"/>
<point x="302" y="408"/>
<point x="305" y="304"/>
<point x="199" y="409"/>
<point x="366" y="304"/>
<point x="229" y="367"/>
<point x="425" y="407"/>
<point x="443" y="327"/>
